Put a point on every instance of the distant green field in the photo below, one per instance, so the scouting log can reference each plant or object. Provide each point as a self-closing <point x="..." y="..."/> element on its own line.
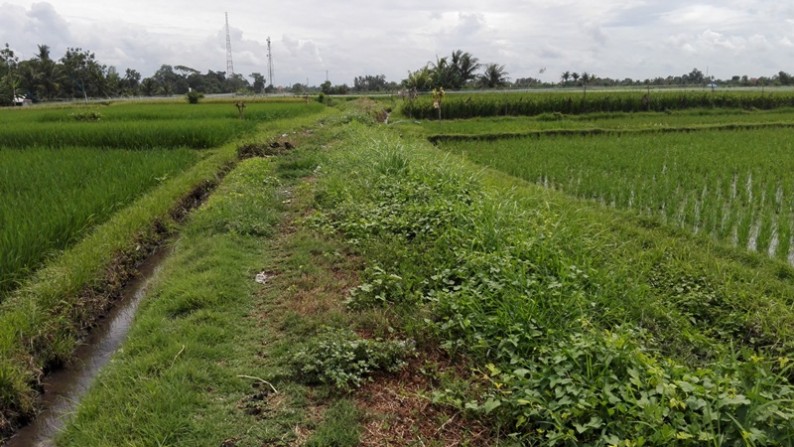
<point x="576" y="102"/>
<point x="139" y="126"/>
<point x="607" y="121"/>
<point x="141" y="111"/>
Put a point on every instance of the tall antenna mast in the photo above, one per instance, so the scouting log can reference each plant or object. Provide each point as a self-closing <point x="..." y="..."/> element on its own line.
<point x="229" y="64"/>
<point x="269" y="61"/>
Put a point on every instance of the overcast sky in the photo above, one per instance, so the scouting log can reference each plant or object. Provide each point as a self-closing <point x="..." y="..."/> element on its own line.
<point x="615" y="38"/>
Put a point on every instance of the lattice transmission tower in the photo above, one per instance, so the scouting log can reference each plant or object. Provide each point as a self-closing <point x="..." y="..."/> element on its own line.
<point x="229" y="63"/>
<point x="269" y="61"/>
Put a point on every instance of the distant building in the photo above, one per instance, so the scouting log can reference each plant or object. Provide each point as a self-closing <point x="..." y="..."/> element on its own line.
<point x="22" y="101"/>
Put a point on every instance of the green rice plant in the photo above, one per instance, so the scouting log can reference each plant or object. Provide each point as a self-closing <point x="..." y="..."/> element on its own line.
<point x="784" y="228"/>
<point x="159" y="110"/>
<point x="465" y="105"/>
<point x="52" y="197"/>
<point x="695" y="119"/>
<point x="196" y="134"/>
<point x="720" y="183"/>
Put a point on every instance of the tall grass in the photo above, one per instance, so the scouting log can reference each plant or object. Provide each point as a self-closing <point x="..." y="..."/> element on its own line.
<point x="51" y="197"/>
<point x="574" y="103"/>
<point x="732" y="185"/>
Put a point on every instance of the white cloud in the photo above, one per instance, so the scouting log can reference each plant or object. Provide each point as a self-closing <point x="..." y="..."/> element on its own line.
<point x="618" y="38"/>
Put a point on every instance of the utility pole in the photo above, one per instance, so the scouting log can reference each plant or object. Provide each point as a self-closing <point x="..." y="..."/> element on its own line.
<point x="269" y="62"/>
<point x="229" y="63"/>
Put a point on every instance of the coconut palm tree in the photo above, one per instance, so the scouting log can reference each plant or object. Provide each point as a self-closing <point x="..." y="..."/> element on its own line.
<point x="565" y="77"/>
<point x="493" y="76"/>
<point x="46" y="74"/>
<point x="465" y="66"/>
<point x="444" y="73"/>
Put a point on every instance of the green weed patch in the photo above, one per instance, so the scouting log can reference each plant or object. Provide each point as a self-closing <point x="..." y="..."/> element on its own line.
<point x="341" y="358"/>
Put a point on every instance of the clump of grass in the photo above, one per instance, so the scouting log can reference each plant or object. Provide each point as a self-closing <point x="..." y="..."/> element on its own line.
<point x="92" y="115"/>
<point x="339" y="427"/>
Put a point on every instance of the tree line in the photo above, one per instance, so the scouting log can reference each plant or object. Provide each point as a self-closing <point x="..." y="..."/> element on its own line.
<point x="79" y="75"/>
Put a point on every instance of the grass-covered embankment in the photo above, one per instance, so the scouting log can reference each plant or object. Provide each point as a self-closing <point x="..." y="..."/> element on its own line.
<point x="218" y="359"/>
<point x="42" y="321"/>
<point x="590" y="326"/>
<point x="189" y="331"/>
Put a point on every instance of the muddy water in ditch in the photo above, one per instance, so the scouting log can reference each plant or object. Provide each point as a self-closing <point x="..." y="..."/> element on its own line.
<point x="63" y="389"/>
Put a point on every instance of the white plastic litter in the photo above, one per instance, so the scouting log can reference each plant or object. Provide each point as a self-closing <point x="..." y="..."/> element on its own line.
<point x="262" y="277"/>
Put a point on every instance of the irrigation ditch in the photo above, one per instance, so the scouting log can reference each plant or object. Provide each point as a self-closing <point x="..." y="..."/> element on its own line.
<point x="103" y="318"/>
<point x="63" y="389"/>
<point x="108" y="309"/>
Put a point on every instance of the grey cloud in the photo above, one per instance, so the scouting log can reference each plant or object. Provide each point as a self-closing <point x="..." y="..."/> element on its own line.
<point x="619" y="38"/>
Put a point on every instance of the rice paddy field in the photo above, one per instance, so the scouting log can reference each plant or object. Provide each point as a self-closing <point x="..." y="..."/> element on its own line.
<point x="52" y="197"/>
<point x="732" y="185"/>
<point x="693" y="119"/>
<point x="141" y="125"/>
<point x="64" y="170"/>
<point x="601" y="271"/>
<point x="86" y="193"/>
<point x="577" y="102"/>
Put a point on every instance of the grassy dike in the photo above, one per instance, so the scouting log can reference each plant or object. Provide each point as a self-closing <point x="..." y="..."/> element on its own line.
<point x="42" y="322"/>
<point x="589" y="326"/>
<point x="216" y="358"/>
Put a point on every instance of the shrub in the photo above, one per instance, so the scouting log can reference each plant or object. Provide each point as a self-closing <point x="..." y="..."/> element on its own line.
<point x="193" y="96"/>
<point x="92" y="115"/>
<point x="339" y="357"/>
